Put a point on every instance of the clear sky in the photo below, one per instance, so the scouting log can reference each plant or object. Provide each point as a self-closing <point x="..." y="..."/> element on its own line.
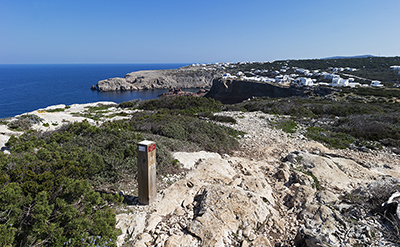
<point x="189" y="31"/>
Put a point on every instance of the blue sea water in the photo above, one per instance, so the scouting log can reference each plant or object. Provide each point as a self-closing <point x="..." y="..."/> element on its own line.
<point x="25" y="88"/>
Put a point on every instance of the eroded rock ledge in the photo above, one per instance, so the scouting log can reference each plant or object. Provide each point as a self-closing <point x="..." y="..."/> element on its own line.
<point x="231" y="91"/>
<point x="186" y="77"/>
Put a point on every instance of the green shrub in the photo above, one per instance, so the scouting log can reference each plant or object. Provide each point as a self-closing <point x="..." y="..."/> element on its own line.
<point x="209" y="136"/>
<point x="24" y="122"/>
<point x="333" y="139"/>
<point x="129" y="104"/>
<point x="288" y="126"/>
<point x="187" y="105"/>
<point x="56" y="110"/>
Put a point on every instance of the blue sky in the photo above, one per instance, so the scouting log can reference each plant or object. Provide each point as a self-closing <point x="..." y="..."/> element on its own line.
<point x="175" y="31"/>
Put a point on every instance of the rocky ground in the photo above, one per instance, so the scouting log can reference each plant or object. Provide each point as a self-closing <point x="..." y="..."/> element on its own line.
<point x="279" y="190"/>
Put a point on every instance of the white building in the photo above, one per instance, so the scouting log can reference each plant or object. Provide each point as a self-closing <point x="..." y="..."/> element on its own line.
<point x="339" y="82"/>
<point x="303" y="81"/>
<point x="282" y="79"/>
<point x="376" y="84"/>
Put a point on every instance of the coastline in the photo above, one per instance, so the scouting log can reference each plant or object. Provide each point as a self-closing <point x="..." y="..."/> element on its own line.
<point x="55" y="116"/>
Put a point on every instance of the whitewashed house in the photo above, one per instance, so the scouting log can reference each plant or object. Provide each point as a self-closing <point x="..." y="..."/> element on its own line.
<point x="354" y="84"/>
<point x="303" y="81"/>
<point x="376" y="84"/>
<point x="339" y="82"/>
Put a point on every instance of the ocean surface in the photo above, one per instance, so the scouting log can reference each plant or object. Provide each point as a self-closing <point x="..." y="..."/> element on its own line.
<point x="25" y="88"/>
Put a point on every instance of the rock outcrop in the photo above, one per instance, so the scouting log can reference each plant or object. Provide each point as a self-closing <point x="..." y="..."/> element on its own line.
<point x="186" y="77"/>
<point x="234" y="90"/>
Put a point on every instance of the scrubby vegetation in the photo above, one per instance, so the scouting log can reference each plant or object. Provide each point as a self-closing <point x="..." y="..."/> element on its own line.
<point x="60" y="188"/>
<point x="343" y="121"/>
<point x="24" y="122"/>
<point x="183" y="105"/>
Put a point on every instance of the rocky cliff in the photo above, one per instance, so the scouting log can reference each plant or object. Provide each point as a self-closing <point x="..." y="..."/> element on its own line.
<point x="186" y="77"/>
<point x="230" y="91"/>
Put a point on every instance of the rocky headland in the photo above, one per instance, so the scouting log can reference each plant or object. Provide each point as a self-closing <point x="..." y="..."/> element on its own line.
<point x="279" y="189"/>
<point x="186" y="77"/>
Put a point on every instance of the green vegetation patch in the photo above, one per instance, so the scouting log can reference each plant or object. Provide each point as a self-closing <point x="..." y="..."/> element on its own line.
<point x="207" y="135"/>
<point x="288" y="126"/>
<point x="45" y="192"/>
<point x="333" y="139"/>
<point x="24" y="122"/>
<point x="56" y="110"/>
<point x="187" y="105"/>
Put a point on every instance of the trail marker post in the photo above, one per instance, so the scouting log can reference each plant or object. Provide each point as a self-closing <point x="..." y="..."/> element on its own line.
<point x="147" y="172"/>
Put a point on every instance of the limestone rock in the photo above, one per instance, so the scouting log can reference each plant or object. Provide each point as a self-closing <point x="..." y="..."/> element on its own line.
<point x="221" y="210"/>
<point x="188" y="160"/>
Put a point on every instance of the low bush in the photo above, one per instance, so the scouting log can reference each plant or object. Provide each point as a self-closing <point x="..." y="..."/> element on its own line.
<point x="129" y="104"/>
<point x="288" y="126"/>
<point x="45" y="193"/>
<point x="56" y="110"/>
<point x="187" y="105"/>
<point x="207" y="135"/>
<point x="333" y="139"/>
<point x="217" y="118"/>
<point x="24" y="122"/>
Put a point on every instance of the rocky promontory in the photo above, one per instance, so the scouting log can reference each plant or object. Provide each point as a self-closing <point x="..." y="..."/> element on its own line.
<point x="186" y="77"/>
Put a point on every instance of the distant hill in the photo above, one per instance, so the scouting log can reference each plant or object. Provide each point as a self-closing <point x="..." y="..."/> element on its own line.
<point x="344" y="57"/>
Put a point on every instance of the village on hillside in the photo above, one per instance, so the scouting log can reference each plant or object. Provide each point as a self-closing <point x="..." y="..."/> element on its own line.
<point x="282" y="73"/>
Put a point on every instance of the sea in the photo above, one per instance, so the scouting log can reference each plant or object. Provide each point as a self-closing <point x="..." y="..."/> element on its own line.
<point x="28" y="87"/>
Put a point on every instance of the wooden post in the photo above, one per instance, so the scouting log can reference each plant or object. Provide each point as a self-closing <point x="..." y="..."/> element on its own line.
<point x="147" y="172"/>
